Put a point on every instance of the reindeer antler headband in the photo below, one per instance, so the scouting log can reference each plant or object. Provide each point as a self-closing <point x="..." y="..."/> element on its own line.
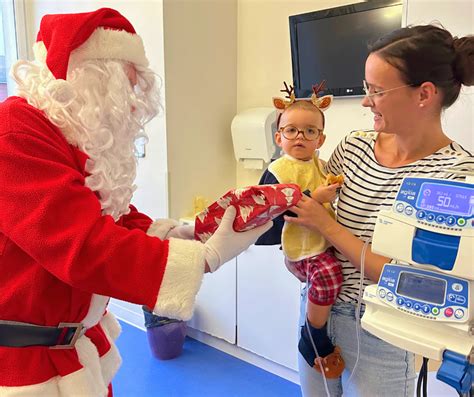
<point x="321" y="103"/>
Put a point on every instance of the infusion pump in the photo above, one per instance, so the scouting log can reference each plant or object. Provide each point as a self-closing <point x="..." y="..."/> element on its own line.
<point x="425" y="302"/>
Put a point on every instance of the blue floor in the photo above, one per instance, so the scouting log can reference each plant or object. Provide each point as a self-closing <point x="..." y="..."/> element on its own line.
<point x="200" y="371"/>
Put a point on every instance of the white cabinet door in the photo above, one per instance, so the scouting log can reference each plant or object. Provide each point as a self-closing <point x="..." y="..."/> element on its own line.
<point x="268" y="297"/>
<point x="215" y="311"/>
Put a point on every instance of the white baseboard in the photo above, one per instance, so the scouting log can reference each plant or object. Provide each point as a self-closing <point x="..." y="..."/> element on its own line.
<point x="128" y="312"/>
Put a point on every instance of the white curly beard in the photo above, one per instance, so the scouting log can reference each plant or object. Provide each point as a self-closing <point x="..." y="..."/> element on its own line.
<point x="93" y="109"/>
<point x="113" y="171"/>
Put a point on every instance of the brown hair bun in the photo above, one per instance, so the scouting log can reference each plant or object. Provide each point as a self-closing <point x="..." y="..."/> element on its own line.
<point x="464" y="61"/>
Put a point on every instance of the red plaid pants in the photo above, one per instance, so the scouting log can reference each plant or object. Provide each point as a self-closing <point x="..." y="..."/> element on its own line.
<point x="324" y="275"/>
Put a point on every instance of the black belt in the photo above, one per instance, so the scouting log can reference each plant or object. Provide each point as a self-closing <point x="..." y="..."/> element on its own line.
<point x="16" y="334"/>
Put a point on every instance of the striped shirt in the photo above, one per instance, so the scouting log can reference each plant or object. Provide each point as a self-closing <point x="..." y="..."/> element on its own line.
<point x="370" y="187"/>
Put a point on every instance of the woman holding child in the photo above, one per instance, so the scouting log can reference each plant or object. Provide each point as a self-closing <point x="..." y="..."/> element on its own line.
<point x="411" y="76"/>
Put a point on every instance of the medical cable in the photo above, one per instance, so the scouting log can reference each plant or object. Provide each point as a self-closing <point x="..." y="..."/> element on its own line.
<point x="311" y="338"/>
<point x="358" y="308"/>
<point x="422" y="379"/>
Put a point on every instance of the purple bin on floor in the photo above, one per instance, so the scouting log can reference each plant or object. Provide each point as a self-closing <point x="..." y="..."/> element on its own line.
<point x="165" y="336"/>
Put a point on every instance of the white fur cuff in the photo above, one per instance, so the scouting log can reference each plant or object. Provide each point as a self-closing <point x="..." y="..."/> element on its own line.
<point x="182" y="279"/>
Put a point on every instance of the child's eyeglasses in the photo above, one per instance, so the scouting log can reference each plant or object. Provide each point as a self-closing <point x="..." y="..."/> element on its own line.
<point x="370" y="95"/>
<point x="309" y="133"/>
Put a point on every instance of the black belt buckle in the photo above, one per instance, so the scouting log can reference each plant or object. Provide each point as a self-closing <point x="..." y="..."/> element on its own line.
<point x="78" y="332"/>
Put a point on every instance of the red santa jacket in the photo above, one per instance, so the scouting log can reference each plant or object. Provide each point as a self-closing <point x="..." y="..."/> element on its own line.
<point x="60" y="260"/>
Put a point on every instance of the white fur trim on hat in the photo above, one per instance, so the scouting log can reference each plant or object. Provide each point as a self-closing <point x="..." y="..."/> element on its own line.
<point x="103" y="44"/>
<point x="182" y="279"/>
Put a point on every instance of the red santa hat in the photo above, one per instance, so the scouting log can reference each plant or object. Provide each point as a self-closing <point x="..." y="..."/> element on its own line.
<point x="71" y="38"/>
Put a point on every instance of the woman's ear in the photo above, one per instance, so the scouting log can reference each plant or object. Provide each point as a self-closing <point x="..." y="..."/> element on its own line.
<point x="427" y="94"/>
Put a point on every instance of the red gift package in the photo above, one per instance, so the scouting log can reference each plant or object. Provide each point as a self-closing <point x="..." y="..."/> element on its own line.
<point x="255" y="206"/>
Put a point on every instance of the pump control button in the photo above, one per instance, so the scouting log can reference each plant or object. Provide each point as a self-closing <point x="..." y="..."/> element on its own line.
<point x="420" y="214"/>
<point x="460" y="299"/>
<point x="448" y="312"/>
<point x="440" y="219"/>
<point x="389" y="296"/>
<point x="408" y="210"/>
<point x="461" y="221"/>
<point x="457" y="287"/>
<point x="459" y="313"/>
<point x="417" y="307"/>
<point x="400" y="207"/>
<point x="408" y="304"/>
<point x="435" y="311"/>
<point x="430" y="217"/>
<point x="450" y="220"/>
<point x="400" y="301"/>
<point x="426" y="309"/>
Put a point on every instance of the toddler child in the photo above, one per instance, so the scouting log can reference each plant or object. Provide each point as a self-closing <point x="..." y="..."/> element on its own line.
<point x="308" y="255"/>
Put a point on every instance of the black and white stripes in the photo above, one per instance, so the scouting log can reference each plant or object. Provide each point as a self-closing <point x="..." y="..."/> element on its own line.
<point x="369" y="187"/>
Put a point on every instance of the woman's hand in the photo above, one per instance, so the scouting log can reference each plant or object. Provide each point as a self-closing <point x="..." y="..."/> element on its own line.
<point x="312" y="215"/>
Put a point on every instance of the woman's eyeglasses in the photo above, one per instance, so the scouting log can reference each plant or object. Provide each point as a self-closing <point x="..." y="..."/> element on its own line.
<point x="309" y="133"/>
<point x="370" y="95"/>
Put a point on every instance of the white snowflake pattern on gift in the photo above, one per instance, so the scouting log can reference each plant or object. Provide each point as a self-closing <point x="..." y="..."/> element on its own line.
<point x="260" y="199"/>
<point x="245" y="212"/>
<point x="223" y="202"/>
<point x="288" y="192"/>
<point x="202" y="215"/>
<point x="239" y="192"/>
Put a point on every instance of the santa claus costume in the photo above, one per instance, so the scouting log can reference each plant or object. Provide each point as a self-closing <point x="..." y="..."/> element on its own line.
<point x="69" y="238"/>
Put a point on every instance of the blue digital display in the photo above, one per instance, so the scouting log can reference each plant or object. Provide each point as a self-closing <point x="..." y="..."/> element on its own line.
<point x="422" y="288"/>
<point x="448" y="199"/>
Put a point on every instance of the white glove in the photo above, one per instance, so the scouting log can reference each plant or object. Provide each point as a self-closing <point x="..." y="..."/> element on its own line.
<point x="185" y="232"/>
<point x="226" y="243"/>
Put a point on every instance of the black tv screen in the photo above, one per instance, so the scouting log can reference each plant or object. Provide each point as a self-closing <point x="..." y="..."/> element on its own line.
<point x="332" y="45"/>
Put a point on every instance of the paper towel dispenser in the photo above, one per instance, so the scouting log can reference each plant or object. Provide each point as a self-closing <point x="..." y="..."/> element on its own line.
<point x="253" y="136"/>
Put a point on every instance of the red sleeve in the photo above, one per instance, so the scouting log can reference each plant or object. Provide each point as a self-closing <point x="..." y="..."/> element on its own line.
<point x="135" y="220"/>
<point x="46" y="210"/>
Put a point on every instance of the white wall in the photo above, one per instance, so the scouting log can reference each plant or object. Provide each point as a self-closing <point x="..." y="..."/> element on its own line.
<point x="146" y="16"/>
<point x="458" y="17"/>
<point x="201" y="79"/>
<point x="264" y="61"/>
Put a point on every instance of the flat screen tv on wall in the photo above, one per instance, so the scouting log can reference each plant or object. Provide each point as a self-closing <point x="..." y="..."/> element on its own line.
<point x="332" y="44"/>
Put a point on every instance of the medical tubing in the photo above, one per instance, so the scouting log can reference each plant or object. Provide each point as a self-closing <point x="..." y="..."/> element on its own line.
<point x="422" y="379"/>
<point x="311" y="338"/>
<point x="425" y="378"/>
<point x="419" y="381"/>
<point x="359" y="303"/>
